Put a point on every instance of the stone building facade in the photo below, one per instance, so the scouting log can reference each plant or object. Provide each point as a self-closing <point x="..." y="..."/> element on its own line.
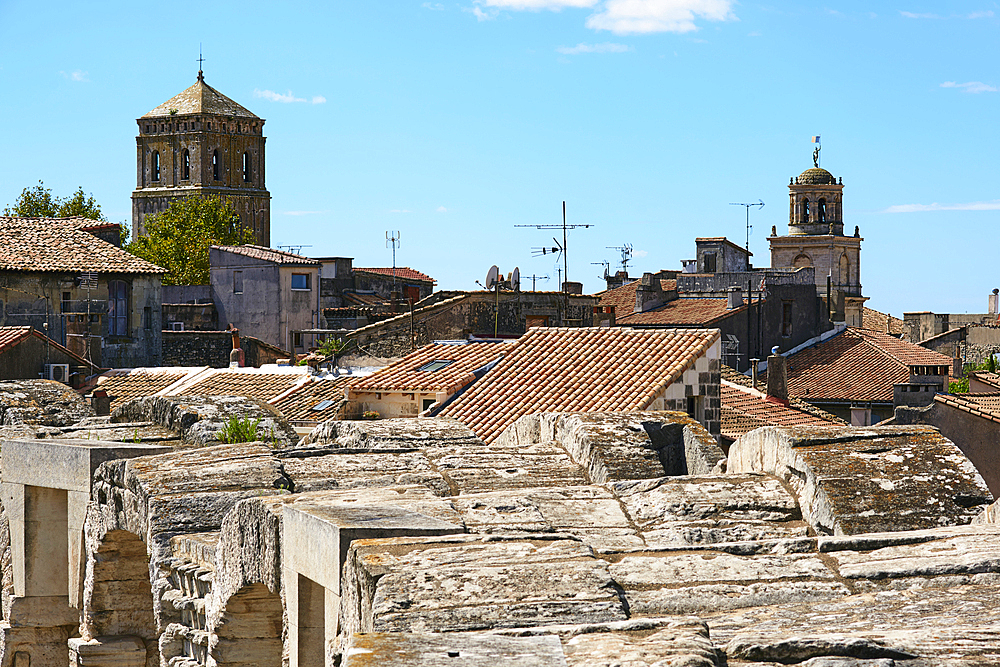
<point x="200" y="142"/>
<point x="816" y="239"/>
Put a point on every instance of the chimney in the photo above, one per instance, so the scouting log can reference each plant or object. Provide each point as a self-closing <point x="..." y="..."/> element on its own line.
<point x="648" y="293"/>
<point x="993" y="302"/>
<point x="236" y="356"/>
<point x="735" y="297"/>
<point x="777" y="378"/>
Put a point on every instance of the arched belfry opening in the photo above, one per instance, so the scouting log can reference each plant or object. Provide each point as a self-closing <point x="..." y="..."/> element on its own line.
<point x="821" y="209"/>
<point x="805" y="210"/>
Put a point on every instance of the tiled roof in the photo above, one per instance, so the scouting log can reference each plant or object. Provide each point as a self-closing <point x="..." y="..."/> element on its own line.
<point x="138" y="384"/>
<point x="992" y="379"/>
<point x="986" y="406"/>
<point x="10" y="337"/>
<point x="298" y="404"/>
<point x="403" y="272"/>
<point x="682" y="312"/>
<point x="857" y="364"/>
<point x="268" y="254"/>
<point x="732" y="376"/>
<point x="262" y="386"/>
<point x="365" y="299"/>
<point x="578" y="370"/>
<point x="405" y="374"/>
<point x="744" y="409"/>
<point x="876" y="321"/>
<point x="53" y="244"/>
<point x="623" y="298"/>
<point x="200" y="98"/>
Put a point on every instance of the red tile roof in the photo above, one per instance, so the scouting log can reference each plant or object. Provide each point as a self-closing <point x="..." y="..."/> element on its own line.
<point x="405" y="374"/>
<point x="876" y="321"/>
<point x="682" y="312"/>
<point x="57" y="244"/>
<point x="262" y="386"/>
<point x="10" y="337"/>
<point x="268" y="254"/>
<point x="623" y="298"/>
<point x="137" y="384"/>
<point x="365" y="299"/>
<point x="578" y="370"/>
<point x="857" y="364"/>
<point x="986" y="406"/>
<point x="992" y="379"/>
<point x="298" y="404"/>
<point x="403" y="272"/>
<point x="744" y="409"/>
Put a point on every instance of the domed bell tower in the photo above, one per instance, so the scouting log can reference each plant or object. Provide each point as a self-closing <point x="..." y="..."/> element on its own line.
<point x="815" y="201"/>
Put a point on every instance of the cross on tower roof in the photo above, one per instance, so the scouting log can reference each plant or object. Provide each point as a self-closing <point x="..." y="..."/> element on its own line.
<point x="201" y="76"/>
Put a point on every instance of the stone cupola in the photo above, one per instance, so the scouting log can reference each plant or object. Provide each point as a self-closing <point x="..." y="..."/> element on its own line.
<point x="815" y="205"/>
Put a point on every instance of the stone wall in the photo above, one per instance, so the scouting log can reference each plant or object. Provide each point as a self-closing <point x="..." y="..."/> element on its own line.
<point x="212" y="348"/>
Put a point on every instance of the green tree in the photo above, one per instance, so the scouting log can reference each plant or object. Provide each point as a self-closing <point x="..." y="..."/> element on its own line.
<point x="38" y="202"/>
<point x="178" y="239"/>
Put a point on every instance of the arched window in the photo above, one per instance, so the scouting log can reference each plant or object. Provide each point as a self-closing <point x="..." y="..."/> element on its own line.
<point x="845" y="270"/>
<point x="822" y="210"/>
<point x="247" y="171"/>
<point x="117" y="308"/>
<point x="186" y="165"/>
<point x="155" y="166"/>
<point x="805" y="210"/>
<point x="215" y="165"/>
<point x="802" y="261"/>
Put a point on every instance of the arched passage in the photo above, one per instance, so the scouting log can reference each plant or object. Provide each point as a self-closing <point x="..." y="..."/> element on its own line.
<point x="118" y="598"/>
<point x="249" y="629"/>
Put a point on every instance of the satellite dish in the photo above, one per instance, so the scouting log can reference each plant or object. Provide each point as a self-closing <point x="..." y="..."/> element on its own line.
<point x="515" y="280"/>
<point x="491" y="276"/>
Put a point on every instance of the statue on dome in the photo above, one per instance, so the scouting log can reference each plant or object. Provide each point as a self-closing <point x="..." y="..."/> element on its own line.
<point x="816" y="157"/>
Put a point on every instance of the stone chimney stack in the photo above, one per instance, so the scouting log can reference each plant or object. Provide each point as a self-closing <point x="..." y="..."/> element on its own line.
<point x="735" y="297"/>
<point x="236" y="356"/>
<point x="648" y="293"/>
<point x="777" y="378"/>
<point x="993" y="302"/>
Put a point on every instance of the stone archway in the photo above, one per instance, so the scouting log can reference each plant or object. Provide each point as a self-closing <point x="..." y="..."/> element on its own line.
<point x="118" y="597"/>
<point x="249" y="630"/>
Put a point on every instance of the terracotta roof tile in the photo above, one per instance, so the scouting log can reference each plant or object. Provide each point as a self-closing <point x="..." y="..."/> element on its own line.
<point x="876" y="321"/>
<point x="857" y="364"/>
<point x="611" y="369"/>
<point x="683" y="312"/>
<point x="10" y="337"/>
<point x="404" y="272"/>
<point x="137" y="384"/>
<point x="732" y="376"/>
<point x="986" y="406"/>
<point x="992" y="379"/>
<point x="405" y="374"/>
<point x="57" y="244"/>
<point x="744" y="409"/>
<point x="298" y="404"/>
<point x="268" y="254"/>
<point x="623" y="298"/>
<point x="262" y="386"/>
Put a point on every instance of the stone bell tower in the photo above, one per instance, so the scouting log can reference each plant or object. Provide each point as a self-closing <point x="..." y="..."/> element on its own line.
<point x="201" y="142"/>
<point x="816" y="238"/>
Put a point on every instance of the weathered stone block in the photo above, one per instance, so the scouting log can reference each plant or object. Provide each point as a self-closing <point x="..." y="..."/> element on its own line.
<point x="440" y="650"/>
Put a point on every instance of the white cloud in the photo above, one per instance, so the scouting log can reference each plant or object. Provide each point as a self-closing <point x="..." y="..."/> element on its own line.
<point x="639" y="253"/>
<point x="433" y="6"/>
<point x="286" y="98"/>
<point x="624" y="17"/>
<point x="911" y="15"/>
<point x="920" y="208"/>
<point x="75" y="75"/>
<point x="441" y="209"/>
<point x="605" y="47"/>
<point x="536" y="5"/>
<point x="488" y="14"/>
<point x="971" y="86"/>
<point x="980" y="15"/>
<point x="986" y="14"/>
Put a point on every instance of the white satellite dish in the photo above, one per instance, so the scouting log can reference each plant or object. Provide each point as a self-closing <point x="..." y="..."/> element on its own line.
<point x="515" y="280"/>
<point x="491" y="276"/>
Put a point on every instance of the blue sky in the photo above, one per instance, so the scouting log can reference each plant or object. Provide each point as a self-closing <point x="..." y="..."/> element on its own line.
<point x="453" y="122"/>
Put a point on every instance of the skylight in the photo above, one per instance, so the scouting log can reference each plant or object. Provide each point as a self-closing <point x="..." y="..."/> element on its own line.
<point x="435" y="365"/>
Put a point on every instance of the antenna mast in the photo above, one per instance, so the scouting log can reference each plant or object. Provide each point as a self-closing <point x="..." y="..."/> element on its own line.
<point x="393" y="240"/>
<point x="759" y="205"/>
<point x="564" y="275"/>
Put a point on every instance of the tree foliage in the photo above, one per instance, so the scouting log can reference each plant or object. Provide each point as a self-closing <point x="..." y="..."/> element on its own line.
<point x="179" y="238"/>
<point x="38" y="202"/>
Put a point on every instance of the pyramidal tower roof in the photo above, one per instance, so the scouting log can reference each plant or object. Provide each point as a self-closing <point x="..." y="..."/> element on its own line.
<point x="200" y="98"/>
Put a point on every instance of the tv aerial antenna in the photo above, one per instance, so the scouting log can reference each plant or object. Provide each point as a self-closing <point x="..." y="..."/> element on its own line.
<point x="607" y="268"/>
<point x="535" y="278"/>
<point x="759" y="205"/>
<point x="294" y="249"/>
<point x="559" y="248"/>
<point x="626" y="253"/>
<point x="392" y="239"/>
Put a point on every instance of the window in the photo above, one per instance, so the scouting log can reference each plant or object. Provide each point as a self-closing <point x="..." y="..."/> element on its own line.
<point x="805" y="210"/>
<point x="247" y="172"/>
<point x="215" y="165"/>
<point x="693" y="407"/>
<point x="427" y="403"/>
<point x="821" y="210"/>
<point x="297" y="339"/>
<point x="436" y="365"/>
<point x="300" y="281"/>
<point x="147" y="318"/>
<point x="66" y="304"/>
<point x="237" y="282"/>
<point x="117" y="308"/>
<point x="186" y="165"/>
<point x="710" y="262"/>
<point x="786" y="319"/>
<point x="155" y="166"/>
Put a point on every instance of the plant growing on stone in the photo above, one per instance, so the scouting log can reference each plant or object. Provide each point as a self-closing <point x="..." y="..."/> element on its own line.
<point x="332" y="347"/>
<point x="370" y="414"/>
<point x="239" y="429"/>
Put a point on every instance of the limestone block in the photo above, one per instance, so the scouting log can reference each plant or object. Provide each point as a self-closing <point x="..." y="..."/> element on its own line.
<point x="678" y="512"/>
<point x="353" y="468"/>
<point x="391" y="434"/>
<point x="682" y="643"/>
<point x="42" y="612"/>
<point x="711" y="567"/>
<point x="478" y="468"/>
<point x="710" y="598"/>
<point x="797" y="649"/>
<point x="410" y="586"/>
<point x="467" y="649"/>
<point x="39" y="647"/>
<point x="41" y="402"/>
<point x="117" y="651"/>
<point x="851" y="480"/>
<point x="990" y="515"/>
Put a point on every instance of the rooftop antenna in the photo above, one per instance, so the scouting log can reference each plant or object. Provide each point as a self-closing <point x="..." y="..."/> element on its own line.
<point x="607" y="268"/>
<point x="563" y="248"/>
<point x="759" y="205"/>
<point x="201" y="76"/>
<point x="393" y="241"/>
<point x="626" y="251"/>
<point x="534" y="278"/>
<point x="294" y="249"/>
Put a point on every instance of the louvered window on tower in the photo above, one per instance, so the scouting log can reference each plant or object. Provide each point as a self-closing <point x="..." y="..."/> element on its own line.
<point x="186" y="165"/>
<point x="155" y="166"/>
<point x="247" y="172"/>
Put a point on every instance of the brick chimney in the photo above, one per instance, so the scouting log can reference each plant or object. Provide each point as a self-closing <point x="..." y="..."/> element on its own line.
<point x="777" y="378"/>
